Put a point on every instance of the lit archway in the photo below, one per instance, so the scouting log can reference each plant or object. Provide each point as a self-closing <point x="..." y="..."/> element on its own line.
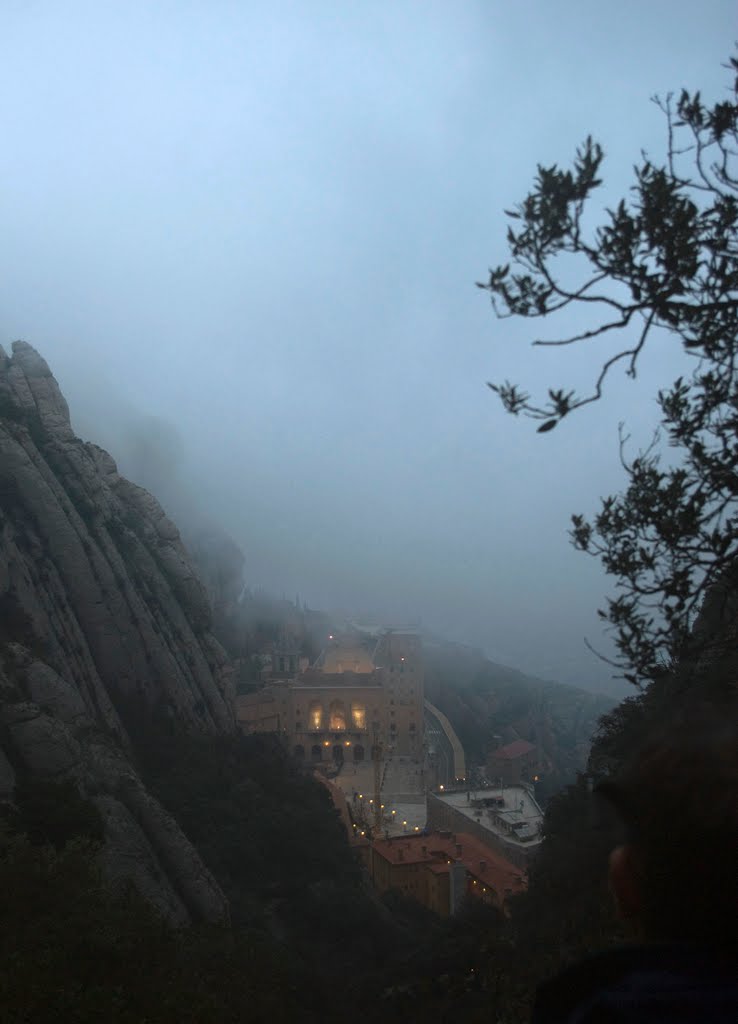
<point x="337" y="716"/>
<point x="315" y="716"/>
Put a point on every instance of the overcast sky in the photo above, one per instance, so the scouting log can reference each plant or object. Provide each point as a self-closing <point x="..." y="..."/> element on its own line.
<point x="262" y="224"/>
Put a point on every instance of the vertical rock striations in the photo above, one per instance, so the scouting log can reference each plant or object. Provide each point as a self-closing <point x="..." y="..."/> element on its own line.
<point x="100" y="612"/>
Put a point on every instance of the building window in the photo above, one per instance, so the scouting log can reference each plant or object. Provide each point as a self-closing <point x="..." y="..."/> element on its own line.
<point x="358" y="716"/>
<point x="315" y="716"/>
<point x="316" y="753"/>
<point x="337" y="716"/>
<point x="412" y="727"/>
<point x="281" y="664"/>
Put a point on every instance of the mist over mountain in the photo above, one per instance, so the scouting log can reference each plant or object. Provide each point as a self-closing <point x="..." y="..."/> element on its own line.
<point x="263" y="228"/>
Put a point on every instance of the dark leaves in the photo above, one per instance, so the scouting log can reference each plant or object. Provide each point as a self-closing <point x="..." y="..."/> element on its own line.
<point x="664" y="259"/>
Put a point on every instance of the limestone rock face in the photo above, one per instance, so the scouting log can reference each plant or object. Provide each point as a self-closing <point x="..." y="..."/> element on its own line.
<point x="100" y="609"/>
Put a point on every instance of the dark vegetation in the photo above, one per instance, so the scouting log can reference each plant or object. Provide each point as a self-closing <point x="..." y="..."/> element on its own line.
<point x="306" y="939"/>
<point x="73" y="950"/>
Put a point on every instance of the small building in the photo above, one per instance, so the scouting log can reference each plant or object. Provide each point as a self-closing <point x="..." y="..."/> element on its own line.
<point x="508" y="819"/>
<point x="513" y="764"/>
<point x="440" y="869"/>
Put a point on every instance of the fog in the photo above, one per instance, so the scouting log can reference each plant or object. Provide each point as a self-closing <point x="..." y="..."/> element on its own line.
<point x="261" y="225"/>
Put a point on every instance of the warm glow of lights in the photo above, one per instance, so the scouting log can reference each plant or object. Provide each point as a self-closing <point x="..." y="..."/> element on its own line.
<point x="315" y="716"/>
<point x="440" y="787"/>
<point x="394" y="812"/>
<point x="326" y="743"/>
<point x="361" y="796"/>
<point x="417" y="828"/>
<point x="330" y="636"/>
<point x="404" y="823"/>
<point x="358" y="716"/>
<point x="348" y="743"/>
<point x="337" y="716"/>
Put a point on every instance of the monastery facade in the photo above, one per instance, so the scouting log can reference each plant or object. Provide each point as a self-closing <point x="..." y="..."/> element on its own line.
<point x="365" y="689"/>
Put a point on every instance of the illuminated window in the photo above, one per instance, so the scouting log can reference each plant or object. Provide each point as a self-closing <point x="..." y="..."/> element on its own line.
<point x="358" y="716"/>
<point x="337" y="715"/>
<point x="315" y="716"/>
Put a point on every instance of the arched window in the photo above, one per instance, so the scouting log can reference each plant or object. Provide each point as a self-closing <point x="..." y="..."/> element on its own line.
<point x="337" y="716"/>
<point x="316" y="753"/>
<point x="358" y="752"/>
<point x="315" y="716"/>
<point x="358" y="716"/>
<point x="300" y="752"/>
<point x="338" y="754"/>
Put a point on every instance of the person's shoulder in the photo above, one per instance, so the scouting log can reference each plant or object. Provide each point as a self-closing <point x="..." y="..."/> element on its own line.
<point x="630" y="985"/>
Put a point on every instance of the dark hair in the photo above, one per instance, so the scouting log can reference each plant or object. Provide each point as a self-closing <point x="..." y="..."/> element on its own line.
<point x="677" y="803"/>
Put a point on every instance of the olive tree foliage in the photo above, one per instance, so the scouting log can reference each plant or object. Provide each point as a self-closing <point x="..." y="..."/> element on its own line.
<point x="664" y="259"/>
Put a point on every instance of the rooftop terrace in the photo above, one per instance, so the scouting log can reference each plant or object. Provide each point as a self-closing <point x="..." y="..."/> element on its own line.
<point x="510" y="811"/>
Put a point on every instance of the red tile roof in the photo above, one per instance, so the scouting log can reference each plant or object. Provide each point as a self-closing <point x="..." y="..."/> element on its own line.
<point x="436" y="851"/>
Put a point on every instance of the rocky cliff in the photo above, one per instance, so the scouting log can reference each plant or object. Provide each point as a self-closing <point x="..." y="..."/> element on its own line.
<point x="101" y="615"/>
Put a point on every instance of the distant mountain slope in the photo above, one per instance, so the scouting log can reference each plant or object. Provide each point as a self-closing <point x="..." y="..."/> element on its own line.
<point x="490" y="704"/>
